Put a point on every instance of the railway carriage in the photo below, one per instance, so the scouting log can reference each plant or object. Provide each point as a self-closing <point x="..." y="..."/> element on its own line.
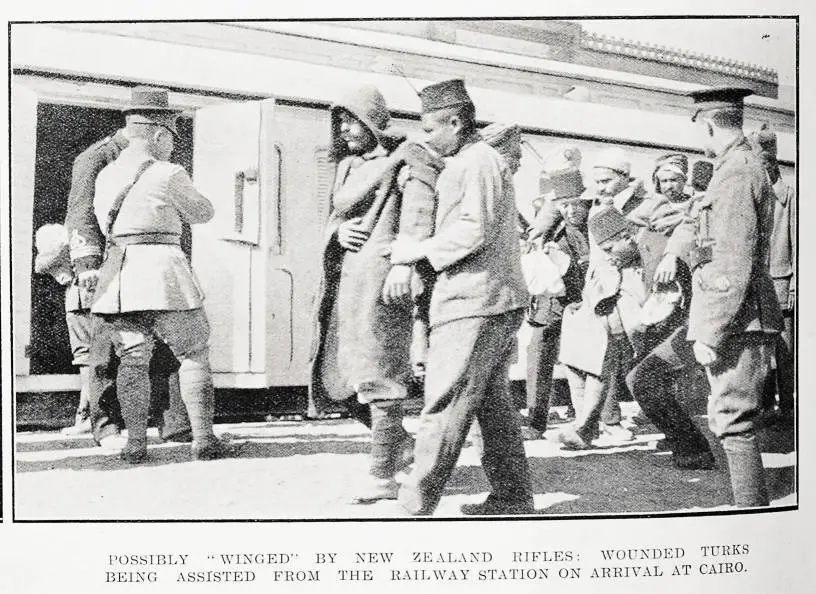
<point x="254" y="134"/>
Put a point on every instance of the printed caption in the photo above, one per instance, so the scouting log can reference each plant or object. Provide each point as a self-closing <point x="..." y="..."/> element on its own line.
<point x="236" y="568"/>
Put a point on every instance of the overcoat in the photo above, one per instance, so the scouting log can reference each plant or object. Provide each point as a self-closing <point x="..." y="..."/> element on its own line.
<point x="733" y="292"/>
<point x="87" y="242"/>
<point x="783" y="244"/>
<point x="357" y="337"/>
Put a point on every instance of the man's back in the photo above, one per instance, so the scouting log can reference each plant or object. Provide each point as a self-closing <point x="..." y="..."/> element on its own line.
<point x="156" y="274"/>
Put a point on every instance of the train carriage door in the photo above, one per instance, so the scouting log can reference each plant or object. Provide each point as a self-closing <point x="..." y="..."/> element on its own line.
<point x="226" y="157"/>
<point x="23" y="154"/>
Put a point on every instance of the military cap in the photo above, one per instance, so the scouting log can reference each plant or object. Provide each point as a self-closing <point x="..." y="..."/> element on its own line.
<point x="719" y="98"/>
<point x="150" y="105"/>
<point x="448" y="93"/>
<point x="500" y="136"/>
<point x="609" y="224"/>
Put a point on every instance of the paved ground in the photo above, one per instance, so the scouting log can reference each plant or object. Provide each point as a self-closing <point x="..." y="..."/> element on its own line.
<point x="290" y="469"/>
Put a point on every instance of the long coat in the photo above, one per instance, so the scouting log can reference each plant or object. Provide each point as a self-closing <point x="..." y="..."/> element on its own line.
<point x="358" y="338"/>
<point x="733" y="292"/>
<point x="87" y="242"/>
<point x="783" y="244"/>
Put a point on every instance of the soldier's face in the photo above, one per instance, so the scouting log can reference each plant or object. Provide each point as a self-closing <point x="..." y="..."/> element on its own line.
<point x="671" y="184"/>
<point x="575" y="212"/>
<point x="442" y="131"/>
<point x="608" y="182"/>
<point x="355" y="134"/>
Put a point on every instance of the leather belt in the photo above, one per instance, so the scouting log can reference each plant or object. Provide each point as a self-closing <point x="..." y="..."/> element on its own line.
<point x="147" y="238"/>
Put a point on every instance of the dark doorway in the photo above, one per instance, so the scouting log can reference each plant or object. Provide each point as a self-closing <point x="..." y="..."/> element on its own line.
<point x="64" y="131"/>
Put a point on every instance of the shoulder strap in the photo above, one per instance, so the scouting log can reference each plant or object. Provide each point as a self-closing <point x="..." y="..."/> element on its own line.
<point x="117" y="204"/>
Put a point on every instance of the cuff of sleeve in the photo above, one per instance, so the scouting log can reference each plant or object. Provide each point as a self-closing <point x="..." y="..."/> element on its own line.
<point x="86" y="263"/>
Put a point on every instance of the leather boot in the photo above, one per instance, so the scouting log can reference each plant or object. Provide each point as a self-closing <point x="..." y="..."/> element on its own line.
<point x="746" y="470"/>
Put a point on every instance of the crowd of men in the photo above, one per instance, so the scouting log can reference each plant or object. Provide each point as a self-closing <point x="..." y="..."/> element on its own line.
<point x="427" y="272"/>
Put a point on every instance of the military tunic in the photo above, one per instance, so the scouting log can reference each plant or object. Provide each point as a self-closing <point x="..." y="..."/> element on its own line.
<point x="734" y="309"/>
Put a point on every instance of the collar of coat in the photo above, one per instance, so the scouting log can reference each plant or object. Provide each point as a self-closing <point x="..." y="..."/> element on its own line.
<point x="782" y="191"/>
<point x="739" y="143"/>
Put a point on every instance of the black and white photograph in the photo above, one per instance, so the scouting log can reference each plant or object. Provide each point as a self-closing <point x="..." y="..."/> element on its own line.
<point x="403" y="268"/>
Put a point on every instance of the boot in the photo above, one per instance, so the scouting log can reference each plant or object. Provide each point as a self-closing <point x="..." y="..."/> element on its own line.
<point x="133" y="388"/>
<point x="746" y="470"/>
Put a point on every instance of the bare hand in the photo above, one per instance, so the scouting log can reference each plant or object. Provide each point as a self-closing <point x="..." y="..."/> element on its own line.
<point x="406" y="251"/>
<point x="666" y="271"/>
<point x="397" y="284"/>
<point x="351" y="236"/>
<point x="704" y="354"/>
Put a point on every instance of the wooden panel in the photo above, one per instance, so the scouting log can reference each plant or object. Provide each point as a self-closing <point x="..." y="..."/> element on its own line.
<point x="24" y="151"/>
<point x="226" y="143"/>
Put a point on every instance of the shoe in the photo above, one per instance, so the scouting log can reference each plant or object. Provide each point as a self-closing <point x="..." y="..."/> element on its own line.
<point x="697" y="461"/>
<point x="616" y="432"/>
<point x="530" y="433"/>
<point x="212" y="448"/>
<point x="134" y="453"/>
<point x="114" y="442"/>
<point x="376" y="490"/>
<point x="572" y="440"/>
<point x="491" y="507"/>
<point x="81" y="427"/>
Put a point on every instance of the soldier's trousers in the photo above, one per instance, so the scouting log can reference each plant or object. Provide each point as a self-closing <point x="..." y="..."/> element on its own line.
<point x="166" y="405"/>
<point x="186" y="333"/>
<point x="652" y="385"/>
<point x="542" y="355"/>
<point x="737" y="378"/>
<point x="467" y="378"/>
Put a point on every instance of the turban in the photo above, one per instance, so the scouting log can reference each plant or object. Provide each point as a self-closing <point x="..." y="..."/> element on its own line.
<point x="505" y="138"/>
<point x="614" y="159"/>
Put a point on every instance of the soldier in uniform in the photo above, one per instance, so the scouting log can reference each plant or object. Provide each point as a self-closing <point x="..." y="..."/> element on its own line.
<point x="99" y="410"/>
<point x="384" y="189"/>
<point x="476" y="309"/>
<point x="783" y="273"/>
<point x="734" y="317"/>
<point x="146" y="288"/>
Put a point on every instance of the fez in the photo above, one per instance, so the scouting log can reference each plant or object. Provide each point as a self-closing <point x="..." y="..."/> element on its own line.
<point x="764" y="140"/>
<point x="448" y="93"/>
<point x="720" y="98"/>
<point x="567" y="184"/>
<point x="609" y="224"/>
<point x="502" y="136"/>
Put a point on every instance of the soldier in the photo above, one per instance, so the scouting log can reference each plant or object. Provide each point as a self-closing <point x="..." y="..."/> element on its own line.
<point x="476" y="309"/>
<point x="783" y="273"/>
<point x="734" y="317"/>
<point x="568" y="234"/>
<point x="599" y="385"/>
<point x="146" y="288"/>
<point x="366" y="306"/>
<point x="99" y="409"/>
